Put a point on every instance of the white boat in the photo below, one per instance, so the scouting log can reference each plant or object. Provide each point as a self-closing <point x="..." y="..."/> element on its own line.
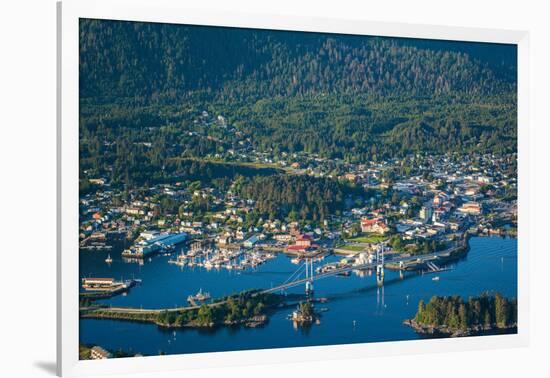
<point x="199" y="297"/>
<point x="108" y="260"/>
<point x="436" y="278"/>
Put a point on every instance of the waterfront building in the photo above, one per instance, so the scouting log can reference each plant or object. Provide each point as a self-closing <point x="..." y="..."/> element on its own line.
<point x="97" y="282"/>
<point x="155" y="244"/>
<point x="250" y="242"/>
<point x="303" y="243"/>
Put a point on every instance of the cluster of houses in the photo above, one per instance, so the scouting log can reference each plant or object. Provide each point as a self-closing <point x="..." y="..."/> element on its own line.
<point x="439" y="196"/>
<point x="454" y="197"/>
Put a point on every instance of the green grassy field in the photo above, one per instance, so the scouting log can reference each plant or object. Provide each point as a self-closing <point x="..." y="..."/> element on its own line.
<point x="353" y="248"/>
<point x="256" y="165"/>
<point x="372" y="238"/>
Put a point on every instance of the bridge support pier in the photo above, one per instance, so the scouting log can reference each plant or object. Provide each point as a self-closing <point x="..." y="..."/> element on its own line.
<point x="309" y="289"/>
<point x="380" y="274"/>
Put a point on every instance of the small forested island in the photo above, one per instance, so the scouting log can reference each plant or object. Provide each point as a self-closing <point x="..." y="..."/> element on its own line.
<point x="247" y="308"/>
<point x="451" y="316"/>
<point x="304" y="314"/>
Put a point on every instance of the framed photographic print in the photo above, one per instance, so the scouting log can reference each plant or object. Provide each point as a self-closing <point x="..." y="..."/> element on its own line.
<point x="239" y="189"/>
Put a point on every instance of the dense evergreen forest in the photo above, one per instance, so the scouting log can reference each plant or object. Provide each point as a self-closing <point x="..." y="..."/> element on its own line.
<point x="148" y="60"/>
<point x="144" y="85"/>
<point x="457" y="314"/>
<point x="237" y="308"/>
<point x="296" y="197"/>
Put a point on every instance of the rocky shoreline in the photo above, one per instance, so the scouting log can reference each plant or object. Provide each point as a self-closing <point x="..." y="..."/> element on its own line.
<point x="445" y="331"/>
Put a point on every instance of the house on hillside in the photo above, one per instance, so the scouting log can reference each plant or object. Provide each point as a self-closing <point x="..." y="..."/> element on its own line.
<point x="376" y="225"/>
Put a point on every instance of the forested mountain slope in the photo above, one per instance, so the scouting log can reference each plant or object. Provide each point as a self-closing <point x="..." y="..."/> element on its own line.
<point x="144" y="86"/>
<point x="148" y="59"/>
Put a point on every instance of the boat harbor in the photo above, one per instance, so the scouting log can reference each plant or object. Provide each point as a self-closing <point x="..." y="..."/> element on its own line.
<point x="210" y="256"/>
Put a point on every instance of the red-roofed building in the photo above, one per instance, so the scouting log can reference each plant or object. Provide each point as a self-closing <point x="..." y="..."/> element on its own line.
<point x="304" y="243"/>
<point x="304" y="240"/>
<point x="376" y="225"/>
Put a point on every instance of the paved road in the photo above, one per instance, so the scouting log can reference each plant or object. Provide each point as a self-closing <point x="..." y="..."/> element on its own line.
<point x="133" y="310"/>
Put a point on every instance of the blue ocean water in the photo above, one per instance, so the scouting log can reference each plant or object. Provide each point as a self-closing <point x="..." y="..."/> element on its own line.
<point x="358" y="309"/>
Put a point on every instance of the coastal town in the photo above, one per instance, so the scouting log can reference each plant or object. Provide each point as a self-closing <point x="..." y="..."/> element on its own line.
<point x="416" y="213"/>
<point x="294" y="190"/>
<point x="416" y="205"/>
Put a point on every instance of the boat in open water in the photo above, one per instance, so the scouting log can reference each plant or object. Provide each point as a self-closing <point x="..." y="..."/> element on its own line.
<point x="199" y="297"/>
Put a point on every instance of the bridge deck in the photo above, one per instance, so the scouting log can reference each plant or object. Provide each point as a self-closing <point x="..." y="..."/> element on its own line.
<point x="361" y="267"/>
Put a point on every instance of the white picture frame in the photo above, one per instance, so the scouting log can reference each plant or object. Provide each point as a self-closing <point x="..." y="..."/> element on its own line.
<point x="165" y="11"/>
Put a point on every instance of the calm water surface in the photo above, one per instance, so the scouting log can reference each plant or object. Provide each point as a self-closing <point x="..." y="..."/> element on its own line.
<point x="358" y="310"/>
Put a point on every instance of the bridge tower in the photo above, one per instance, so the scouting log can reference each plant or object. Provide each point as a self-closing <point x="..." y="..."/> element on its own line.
<point x="309" y="277"/>
<point x="380" y="264"/>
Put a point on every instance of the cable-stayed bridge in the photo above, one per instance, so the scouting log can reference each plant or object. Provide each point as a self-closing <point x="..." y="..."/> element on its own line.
<point x="378" y="264"/>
